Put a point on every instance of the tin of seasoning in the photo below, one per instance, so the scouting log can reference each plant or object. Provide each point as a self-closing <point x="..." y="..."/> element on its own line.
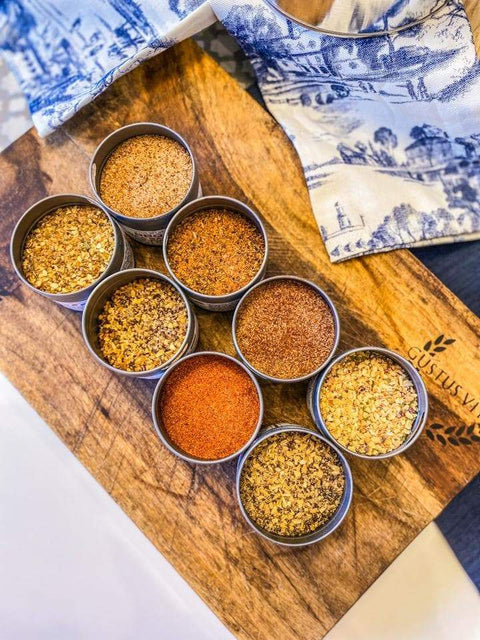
<point x="138" y="322"/>
<point x="64" y="245"/>
<point x="293" y="486"/>
<point x="215" y="248"/>
<point x="285" y="329"/>
<point x="207" y="408"/>
<point x="371" y="402"/>
<point x="143" y="173"/>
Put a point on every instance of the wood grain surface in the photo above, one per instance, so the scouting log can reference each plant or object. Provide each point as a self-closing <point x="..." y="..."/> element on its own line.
<point x="188" y="512"/>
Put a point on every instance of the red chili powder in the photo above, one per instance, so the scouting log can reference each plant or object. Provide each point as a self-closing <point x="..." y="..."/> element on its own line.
<point x="209" y="407"/>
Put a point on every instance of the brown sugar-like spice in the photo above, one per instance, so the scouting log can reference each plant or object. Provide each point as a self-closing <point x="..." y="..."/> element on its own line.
<point x="292" y="484"/>
<point x="68" y="249"/>
<point x="143" y="325"/>
<point x="215" y="251"/>
<point x="146" y="176"/>
<point x="285" y="329"/>
<point x="369" y="403"/>
<point x="209" y="407"/>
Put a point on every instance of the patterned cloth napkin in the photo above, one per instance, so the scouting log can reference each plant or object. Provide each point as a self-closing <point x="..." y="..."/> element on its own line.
<point x="66" y="52"/>
<point x="386" y="127"/>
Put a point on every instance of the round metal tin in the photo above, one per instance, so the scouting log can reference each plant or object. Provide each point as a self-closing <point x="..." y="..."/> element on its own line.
<point x="224" y="302"/>
<point x="336" y="323"/>
<point x="122" y="256"/>
<point x="327" y="528"/>
<point x="145" y="230"/>
<point x="96" y="303"/>
<point x="315" y="389"/>
<point x="164" y="436"/>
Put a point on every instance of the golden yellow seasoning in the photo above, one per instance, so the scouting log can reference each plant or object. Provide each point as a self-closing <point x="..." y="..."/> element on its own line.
<point x="68" y="249"/>
<point x="292" y="484"/>
<point x="369" y="403"/>
<point x="143" y="325"/>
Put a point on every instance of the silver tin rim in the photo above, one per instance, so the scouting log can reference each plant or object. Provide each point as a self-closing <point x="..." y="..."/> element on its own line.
<point x="18" y="239"/>
<point x="215" y="202"/>
<point x="131" y="131"/>
<point x="370" y="34"/>
<point x="332" y="524"/>
<point x="96" y="298"/>
<point x="336" y="326"/>
<point x="160" y="431"/>
<point x="420" y="388"/>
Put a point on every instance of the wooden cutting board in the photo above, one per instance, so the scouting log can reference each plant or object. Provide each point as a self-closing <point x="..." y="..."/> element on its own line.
<point x="189" y="513"/>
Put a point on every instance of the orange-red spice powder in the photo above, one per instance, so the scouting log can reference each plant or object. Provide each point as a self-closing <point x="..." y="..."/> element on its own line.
<point x="209" y="407"/>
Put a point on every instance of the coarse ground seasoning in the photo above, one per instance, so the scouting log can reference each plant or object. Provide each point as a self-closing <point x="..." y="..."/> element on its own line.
<point x="368" y="403"/>
<point x="215" y="251"/>
<point x="292" y="484"/>
<point x="285" y="329"/>
<point x="146" y="176"/>
<point x="143" y="325"/>
<point x="68" y="249"/>
<point x="209" y="407"/>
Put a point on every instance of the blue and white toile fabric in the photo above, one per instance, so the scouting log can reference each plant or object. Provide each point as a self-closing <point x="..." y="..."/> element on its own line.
<point x="66" y="52"/>
<point x="387" y="127"/>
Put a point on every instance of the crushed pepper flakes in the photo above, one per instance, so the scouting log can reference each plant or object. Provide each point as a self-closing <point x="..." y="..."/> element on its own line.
<point x="146" y="176"/>
<point x="209" y="406"/>
<point x="369" y="403"/>
<point x="285" y="329"/>
<point x="143" y="325"/>
<point x="292" y="484"/>
<point x="68" y="249"/>
<point x="215" y="251"/>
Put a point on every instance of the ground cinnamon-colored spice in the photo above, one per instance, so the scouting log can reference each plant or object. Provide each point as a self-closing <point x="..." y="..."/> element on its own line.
<point x="292" y="484"/>
<point x="143" y="325"/>
<point x="68" y="249"/>
<point x="215" y="251"/>
<point x="285" y="329"/>
<point x="209" y="407"/>
<point x="146" y="176"/>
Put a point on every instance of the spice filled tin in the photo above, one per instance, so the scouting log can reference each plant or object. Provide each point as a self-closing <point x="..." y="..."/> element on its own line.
<point x="103" y="295"/>
<point x="225" y="206"/>
<point x="147" y="230"/>
<point x="285" y="338"/>
<point x="386" y="410"/>
<point x="207" y="408"/>
<point x="333" y="484"/>
<point x="121" y="258"/>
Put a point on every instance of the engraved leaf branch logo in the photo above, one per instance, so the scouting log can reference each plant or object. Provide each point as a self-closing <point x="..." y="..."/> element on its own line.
<point x="454" y="435"/>
<point x="438" y="345"/>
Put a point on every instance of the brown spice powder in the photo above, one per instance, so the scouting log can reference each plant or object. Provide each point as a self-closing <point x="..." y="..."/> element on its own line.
<point x="143" y="325"/>
<point x="292" y="484"/>
<point x="215" y="251"/>
<point x="209" y="407"/>
<point x="68" y="249"/>
<point x="285" y="329"/>
<point x="369" y="403"/>
<point x="146" y="176"/>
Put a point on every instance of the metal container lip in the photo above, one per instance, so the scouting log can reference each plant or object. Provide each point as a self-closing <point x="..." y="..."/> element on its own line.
<point x="214" y="202"/>
<point x="136" y="274"/>
<point x="161" y="129"/>
<point x="336" y="326"/>
<point x="87" y="201"/>
<point x="360" y="35"/>
<point x="173" y="448"/>
<point x="324" y="530"/>
<point x="422" y="395"/>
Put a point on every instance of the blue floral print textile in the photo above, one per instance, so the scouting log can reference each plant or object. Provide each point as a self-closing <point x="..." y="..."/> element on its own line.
<point x="65" y="52"/>
<point x="387" y="127"/>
